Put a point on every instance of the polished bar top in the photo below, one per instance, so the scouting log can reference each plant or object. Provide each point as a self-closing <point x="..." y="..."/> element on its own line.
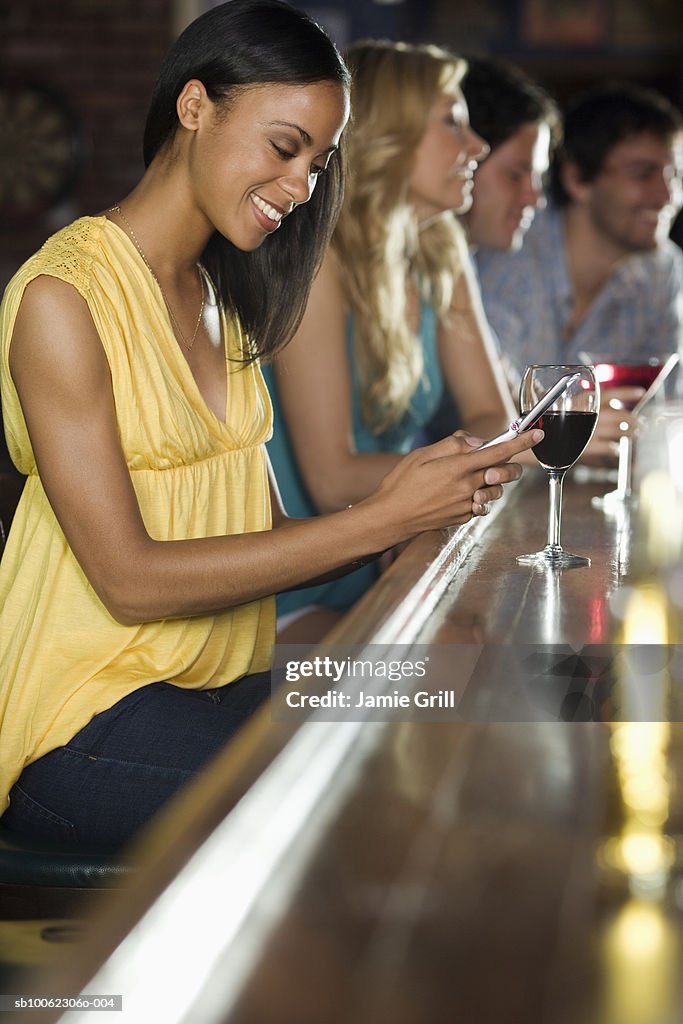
<point x="491" y="598"/>
<point x="411" y="872"/>
<point x="502" y="601"/>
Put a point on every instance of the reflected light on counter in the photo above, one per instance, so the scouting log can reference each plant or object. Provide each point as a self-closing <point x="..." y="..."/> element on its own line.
<point x="639" y="932"/>
<point x="646" y="616"/>
<point x="644" y="683"/>
<point x="641" y="947"/>
<point x="641" y="962"/>
<point x="642" y="851"/>
<point x="645" y="857"/>
<point x="645" y="854"/>
<point x="661" y="513"/>
<point x="597" y="619"/>
<point x="648" y="798"/>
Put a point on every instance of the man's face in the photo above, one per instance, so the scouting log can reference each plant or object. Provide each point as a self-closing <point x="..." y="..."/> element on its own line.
<point x="508" y="186"/>
<point x="637" y="193"/>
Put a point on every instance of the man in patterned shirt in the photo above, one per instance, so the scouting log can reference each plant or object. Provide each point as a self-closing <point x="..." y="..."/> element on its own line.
<point x="597" y="272"/>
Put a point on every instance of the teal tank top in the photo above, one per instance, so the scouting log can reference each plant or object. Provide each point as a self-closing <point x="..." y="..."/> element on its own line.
<point x="400" y="437"/>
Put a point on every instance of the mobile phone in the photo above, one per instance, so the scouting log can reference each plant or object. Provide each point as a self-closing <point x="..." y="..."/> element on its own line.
<point x="526" y="421"/>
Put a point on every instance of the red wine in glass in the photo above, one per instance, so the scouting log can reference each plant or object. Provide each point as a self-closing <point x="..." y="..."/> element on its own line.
<point x="568" y="426"/>
<point x="566" y="436"/>
<point x="628" y="375"/>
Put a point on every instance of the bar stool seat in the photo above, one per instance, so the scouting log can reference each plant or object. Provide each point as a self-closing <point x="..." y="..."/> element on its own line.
<point x="40" y="879"/>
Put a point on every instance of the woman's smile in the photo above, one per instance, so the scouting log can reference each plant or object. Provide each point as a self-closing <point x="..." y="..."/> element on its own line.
<point x="267" y="215"/>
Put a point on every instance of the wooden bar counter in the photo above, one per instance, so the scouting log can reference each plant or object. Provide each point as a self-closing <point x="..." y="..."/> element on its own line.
<point x="489" y="595"/>
<point x="499" y="865"/>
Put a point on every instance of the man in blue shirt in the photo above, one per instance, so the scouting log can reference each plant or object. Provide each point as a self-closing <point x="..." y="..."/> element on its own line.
<point x="597" y="272"/>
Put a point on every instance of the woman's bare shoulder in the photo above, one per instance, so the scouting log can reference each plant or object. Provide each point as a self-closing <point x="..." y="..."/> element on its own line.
<point x="54" y="335"/>
<point x="48" y="304"/>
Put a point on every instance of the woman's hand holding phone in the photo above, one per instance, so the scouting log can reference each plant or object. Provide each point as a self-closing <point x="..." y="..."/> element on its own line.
<point x="447" y="483"/>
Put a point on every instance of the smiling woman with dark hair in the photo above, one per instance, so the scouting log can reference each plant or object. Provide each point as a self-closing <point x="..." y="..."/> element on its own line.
<point x="302" y="57"/>
<point x="137" y="621"/>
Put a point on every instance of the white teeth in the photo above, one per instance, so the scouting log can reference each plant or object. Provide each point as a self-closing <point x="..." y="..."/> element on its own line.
<point x="269" y="211"/>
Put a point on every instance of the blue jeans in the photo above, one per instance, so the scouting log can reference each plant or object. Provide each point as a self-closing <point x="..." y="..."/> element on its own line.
<point x="113" y="776"/>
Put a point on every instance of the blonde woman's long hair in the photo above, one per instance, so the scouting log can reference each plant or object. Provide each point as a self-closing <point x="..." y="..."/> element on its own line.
<point x="377" y="245"/>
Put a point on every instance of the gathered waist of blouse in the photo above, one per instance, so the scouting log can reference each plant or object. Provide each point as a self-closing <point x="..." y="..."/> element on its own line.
<point x="244" y="451"/>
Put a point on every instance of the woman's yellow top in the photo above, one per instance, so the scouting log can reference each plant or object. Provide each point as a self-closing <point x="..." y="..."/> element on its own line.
<point x="63" y="658"/>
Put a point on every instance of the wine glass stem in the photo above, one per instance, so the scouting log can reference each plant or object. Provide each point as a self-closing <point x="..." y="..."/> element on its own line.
<point x="624" y="470"/>
<point x="555" y="480"/>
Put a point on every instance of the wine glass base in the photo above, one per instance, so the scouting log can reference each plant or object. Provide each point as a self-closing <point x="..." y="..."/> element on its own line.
<point x="554" y="558"/>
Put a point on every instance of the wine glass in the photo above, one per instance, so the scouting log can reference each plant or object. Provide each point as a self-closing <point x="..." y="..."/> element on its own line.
<point x="613" y="372"/>
<point x="568" y="424"/>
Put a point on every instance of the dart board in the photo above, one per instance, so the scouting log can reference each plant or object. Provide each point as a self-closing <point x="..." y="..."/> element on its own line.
<point x="41" y="150"/>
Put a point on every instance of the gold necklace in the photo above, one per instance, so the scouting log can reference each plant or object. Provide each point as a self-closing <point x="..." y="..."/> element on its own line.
<point x="117" y="209"/>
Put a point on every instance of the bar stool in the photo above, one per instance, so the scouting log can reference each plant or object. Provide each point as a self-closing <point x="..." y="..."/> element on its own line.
<point x="41" y="879"/>
<point x="46" y="889"/>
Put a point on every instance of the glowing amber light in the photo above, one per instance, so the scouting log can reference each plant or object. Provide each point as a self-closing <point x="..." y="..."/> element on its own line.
<point x="641" y="961"/>
<point x="646" y="618"/>
<point x="639" y="931"/>
<point x="644" y="853"/>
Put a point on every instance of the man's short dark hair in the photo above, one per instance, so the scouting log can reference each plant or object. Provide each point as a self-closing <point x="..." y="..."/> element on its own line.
<point x="597" y="120"/>
<point x="502" y="99"/>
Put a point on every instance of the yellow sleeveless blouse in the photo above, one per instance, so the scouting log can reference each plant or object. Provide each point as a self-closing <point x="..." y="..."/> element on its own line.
<point x="63" y="658"/>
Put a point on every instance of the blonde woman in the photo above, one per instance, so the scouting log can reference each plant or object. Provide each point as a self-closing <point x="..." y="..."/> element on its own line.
<point x="394" y="315"/>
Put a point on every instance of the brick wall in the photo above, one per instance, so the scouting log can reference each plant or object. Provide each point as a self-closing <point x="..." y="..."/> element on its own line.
<point x="102" y="56"/>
